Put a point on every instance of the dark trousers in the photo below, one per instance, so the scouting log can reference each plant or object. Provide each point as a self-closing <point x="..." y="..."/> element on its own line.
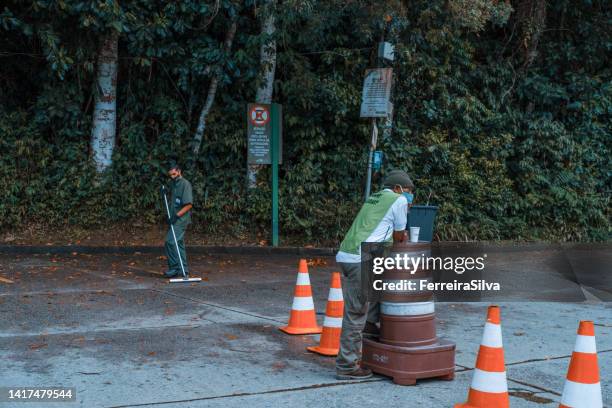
<point x="180" y="227"/>
<point x="357" y="310"/>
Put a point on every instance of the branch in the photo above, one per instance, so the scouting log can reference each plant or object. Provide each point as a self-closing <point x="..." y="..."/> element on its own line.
<point x="212" y="91"/>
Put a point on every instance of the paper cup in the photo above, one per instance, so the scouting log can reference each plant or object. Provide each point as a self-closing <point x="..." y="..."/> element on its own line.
<point x="414" y="234"/>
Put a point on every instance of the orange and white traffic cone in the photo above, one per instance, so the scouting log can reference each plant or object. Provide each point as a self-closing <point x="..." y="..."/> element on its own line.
<point x="303" y="319"/>
<point x="332" y="325"/>
<point x="582" y="387"/>
<point x="489" y="387"/>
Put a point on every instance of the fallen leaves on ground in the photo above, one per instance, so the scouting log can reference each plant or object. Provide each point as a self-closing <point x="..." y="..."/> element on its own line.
<point x="279" y="366"/>
<point x="5" y="280"/>
<point x="37" y="346"/>
<point x="80" y="340"/>
<point x="317" y="262"/>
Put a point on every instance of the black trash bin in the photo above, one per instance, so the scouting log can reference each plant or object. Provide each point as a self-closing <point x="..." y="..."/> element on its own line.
<point x="423" y="216"/>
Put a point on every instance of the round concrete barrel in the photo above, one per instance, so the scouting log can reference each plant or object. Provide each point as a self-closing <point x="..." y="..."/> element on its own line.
<point x="407" y="313"/>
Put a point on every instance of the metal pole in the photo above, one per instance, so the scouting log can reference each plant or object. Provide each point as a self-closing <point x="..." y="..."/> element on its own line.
<point x="370" y="157"/>
<point x="374" y="135"/>
<point x="274" y="155"/>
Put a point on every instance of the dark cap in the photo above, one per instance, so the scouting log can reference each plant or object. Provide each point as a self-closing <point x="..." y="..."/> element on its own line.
<point x="398" y="178"/>
<point x="174" y="166"/>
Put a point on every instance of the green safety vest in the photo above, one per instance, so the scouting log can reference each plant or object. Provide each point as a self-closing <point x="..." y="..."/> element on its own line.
<point x="368" y="218"/>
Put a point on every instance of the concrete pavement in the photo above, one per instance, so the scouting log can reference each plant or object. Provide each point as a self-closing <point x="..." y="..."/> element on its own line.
<point x="111" y="327"/>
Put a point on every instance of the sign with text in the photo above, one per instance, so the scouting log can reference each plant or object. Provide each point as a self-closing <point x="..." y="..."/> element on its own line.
<point x="259" y="131"/>
<point x="376" y="93"/>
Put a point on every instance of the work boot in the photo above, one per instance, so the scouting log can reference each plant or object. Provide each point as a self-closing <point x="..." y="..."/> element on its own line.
<point x="371" y="330"/>
<point x="358" y="373"/>
<point x="170" y="273"/>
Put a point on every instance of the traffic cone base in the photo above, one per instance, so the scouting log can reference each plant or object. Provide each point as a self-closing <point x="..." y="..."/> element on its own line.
<point x="577" y="395"/>
<point x="302" y="322"/>
<point x="488" y="389"/>
<point x="332" y="347"/>
<point x="329" y="344"/>
<point x="293" y="330"/>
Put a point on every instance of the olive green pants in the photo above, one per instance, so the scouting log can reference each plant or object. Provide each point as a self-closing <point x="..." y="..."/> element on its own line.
<point x="180" y="226"/>
<point x="357" y="310"/>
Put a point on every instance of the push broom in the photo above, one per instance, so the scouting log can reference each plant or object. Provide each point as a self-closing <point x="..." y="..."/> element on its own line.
<point x="185" y="278"/>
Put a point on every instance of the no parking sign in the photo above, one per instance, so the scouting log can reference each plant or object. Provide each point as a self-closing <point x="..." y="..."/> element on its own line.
<point x="259" y="131"/>
<point x="259" y="115"/>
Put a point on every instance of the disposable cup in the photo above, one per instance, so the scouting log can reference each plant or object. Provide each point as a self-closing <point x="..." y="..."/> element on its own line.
<point x="414" y="234"/>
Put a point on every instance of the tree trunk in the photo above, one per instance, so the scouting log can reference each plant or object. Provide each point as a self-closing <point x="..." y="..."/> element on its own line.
<point x="212" y="91"/>
<point x="532" y="17"/>
<point x="267" y="58"/>
<point x="104" y="125"/>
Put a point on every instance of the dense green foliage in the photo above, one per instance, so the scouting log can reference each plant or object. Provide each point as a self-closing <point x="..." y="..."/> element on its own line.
<point x="501" y="116"/>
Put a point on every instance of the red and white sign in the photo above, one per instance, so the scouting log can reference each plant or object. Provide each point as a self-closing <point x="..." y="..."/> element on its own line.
<point x="259" y="115"/>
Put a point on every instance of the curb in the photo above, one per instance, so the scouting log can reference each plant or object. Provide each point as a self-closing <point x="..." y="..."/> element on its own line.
<point x="202" y="250"/>
<point x="448" y="246"/>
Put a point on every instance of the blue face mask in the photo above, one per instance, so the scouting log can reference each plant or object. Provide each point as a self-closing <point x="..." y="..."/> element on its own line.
<point x="409" y="196"/>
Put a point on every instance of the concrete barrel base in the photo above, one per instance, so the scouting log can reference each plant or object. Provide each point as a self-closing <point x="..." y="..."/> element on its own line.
<point x="406" y="365"/>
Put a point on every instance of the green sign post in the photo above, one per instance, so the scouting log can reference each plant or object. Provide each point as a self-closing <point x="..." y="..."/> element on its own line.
<point x="275" y="154"/>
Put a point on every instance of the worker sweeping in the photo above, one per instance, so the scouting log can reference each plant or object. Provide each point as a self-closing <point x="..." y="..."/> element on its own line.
<point x="178" y="212"/>
<point x="382" y="218"/>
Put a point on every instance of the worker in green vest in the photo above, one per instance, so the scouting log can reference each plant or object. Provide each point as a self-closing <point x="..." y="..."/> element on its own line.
<point x="181" y="203"/>
<point x="382" y="218"/>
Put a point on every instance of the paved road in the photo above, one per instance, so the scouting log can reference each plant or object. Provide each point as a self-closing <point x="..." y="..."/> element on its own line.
<point x="111" y="327"/>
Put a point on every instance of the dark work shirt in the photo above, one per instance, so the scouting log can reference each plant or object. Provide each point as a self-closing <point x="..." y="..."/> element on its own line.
<point x="181" y="195"/>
